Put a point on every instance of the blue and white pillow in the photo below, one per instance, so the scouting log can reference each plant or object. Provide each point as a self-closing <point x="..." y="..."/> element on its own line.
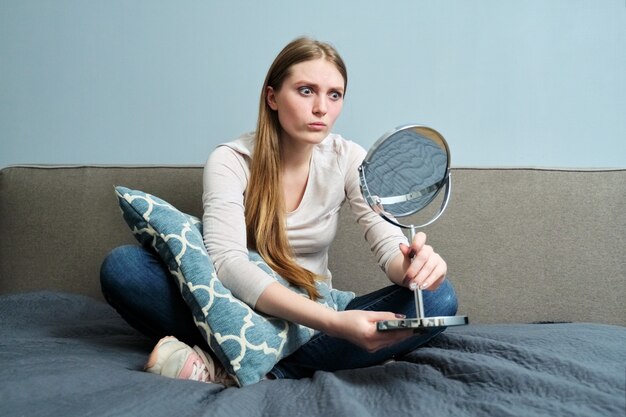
<point x="247" y="343"/>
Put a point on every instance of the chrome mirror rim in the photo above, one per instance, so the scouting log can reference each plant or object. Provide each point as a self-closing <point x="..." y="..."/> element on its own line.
<point x="375" y="202"/>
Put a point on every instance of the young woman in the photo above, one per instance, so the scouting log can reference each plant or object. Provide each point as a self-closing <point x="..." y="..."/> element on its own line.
<point x="278" y="191"/>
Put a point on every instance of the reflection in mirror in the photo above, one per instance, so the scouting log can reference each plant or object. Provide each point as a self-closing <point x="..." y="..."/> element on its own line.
<point x="404" y="171"/>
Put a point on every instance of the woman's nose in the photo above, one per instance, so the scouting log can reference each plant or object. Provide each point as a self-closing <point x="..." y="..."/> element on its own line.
<point x="320" y="107"/>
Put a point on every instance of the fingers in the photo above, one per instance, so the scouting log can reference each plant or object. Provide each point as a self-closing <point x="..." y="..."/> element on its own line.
<point x="421" y="266"/>
<point x="406" y="251"/>
<point x="388" y="339"/>
<point x="432" y="273"/>
<point x="426" y="269"/>
<point x="375" y="316"/>
<point x="378" y="340"/>
<point x="416" y="245"/>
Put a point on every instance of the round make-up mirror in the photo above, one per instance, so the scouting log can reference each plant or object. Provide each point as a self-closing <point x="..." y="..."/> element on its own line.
<point x="404" y="171"/>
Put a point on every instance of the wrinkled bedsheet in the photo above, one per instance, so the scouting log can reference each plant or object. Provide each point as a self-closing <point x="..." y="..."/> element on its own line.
<point x="69" y="355"/>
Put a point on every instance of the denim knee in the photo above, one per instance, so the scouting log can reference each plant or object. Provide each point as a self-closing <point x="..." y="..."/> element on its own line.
<point x="111" y="278"/>
<point x="138" y="285"/>
<point x="443" y="300"/>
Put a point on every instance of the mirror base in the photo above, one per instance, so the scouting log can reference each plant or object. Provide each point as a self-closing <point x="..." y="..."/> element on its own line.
<point x="423" y="323"/>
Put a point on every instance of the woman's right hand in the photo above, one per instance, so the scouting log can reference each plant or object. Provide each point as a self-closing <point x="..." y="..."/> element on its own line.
<point x="359" y="327"/>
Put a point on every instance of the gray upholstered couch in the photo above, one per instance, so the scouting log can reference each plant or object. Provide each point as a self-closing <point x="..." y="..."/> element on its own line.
<point x="523" y="246"/>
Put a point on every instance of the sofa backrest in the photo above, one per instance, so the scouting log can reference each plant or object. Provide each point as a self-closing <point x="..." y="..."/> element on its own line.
<point x="522" y="245"/>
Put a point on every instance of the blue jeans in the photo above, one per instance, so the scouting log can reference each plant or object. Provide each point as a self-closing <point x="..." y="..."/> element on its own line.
<point x="140" y="288"/>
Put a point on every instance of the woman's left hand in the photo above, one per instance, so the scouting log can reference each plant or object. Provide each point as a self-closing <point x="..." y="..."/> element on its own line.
<point x="424" y="268"/>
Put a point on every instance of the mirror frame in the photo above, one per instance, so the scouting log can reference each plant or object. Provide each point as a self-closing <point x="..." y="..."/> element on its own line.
<point x="375" y="202"/>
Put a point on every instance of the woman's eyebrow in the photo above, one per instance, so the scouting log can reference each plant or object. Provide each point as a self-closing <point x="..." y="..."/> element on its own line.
<point x="316" y="86"/>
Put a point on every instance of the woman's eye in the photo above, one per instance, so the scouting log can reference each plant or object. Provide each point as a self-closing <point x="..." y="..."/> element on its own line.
<point x="336" y="95"/>
<point x="305" y="91"/>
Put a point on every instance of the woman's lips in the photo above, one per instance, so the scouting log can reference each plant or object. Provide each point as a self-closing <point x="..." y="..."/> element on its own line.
<point x="317" y="126"/>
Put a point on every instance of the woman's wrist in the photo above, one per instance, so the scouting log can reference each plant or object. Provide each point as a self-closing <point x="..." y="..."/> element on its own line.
<point x="396" y="270"/>
<point x="330" y="322"/>
<point x="278" y="301"/>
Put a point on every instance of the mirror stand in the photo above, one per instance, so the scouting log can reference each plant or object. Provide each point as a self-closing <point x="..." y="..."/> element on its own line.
<point x="417" y="292"/>
<point x="401" y="174"/>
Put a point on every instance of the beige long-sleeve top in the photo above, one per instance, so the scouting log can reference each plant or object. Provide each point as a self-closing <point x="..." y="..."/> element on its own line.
<point x="333" y="180"/>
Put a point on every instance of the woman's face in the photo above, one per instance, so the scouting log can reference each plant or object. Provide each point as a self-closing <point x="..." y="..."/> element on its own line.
<point x="309" y="101"/>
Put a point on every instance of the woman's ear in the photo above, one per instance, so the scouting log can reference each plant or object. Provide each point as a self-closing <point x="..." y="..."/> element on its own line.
<point x="270" y="98"/>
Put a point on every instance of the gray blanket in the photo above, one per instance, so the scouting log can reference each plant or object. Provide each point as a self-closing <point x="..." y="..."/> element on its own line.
<point x="69" y="355"/>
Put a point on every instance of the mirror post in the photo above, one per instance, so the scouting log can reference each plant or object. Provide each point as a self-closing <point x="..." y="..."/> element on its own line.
<point x="417" y="292"/>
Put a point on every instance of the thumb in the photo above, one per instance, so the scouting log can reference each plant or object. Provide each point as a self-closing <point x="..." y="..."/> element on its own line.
<point x="406" y="250"/>
<point x="386" y="315"/>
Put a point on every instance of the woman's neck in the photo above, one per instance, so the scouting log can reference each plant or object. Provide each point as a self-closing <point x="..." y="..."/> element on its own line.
<point x="295" y="156"/>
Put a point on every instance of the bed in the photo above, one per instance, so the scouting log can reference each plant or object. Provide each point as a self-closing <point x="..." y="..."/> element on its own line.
<point x="537" y="344"/>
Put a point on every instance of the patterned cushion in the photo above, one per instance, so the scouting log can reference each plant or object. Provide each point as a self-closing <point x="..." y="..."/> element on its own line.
<point x="247" y="343"/>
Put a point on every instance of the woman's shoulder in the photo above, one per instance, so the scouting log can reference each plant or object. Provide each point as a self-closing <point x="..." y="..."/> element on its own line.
<point x="243" y="145"/>
<point x="233" y="156"/>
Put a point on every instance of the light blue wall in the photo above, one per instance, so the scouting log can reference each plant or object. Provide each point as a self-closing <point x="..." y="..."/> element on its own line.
<point x="509" y="83"/>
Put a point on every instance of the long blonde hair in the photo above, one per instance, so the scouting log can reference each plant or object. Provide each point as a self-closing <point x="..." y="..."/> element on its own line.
<point x="265" y="206"/>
